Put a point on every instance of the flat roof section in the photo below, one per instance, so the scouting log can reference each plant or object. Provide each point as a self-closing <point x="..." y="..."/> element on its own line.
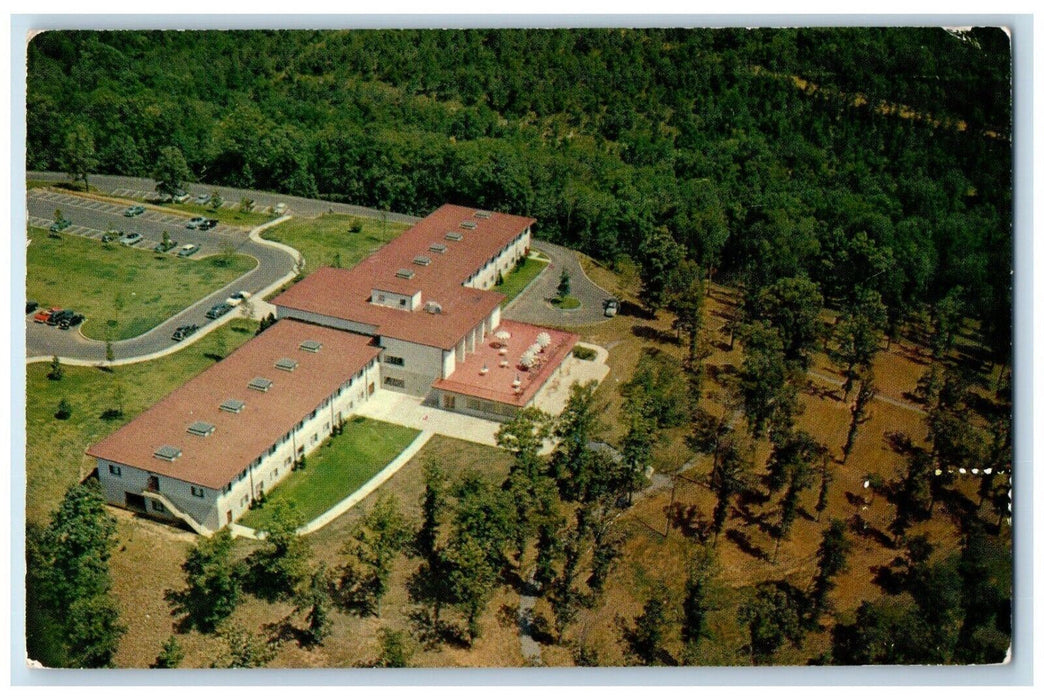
<point x="502" y="369"/>
<point x="244" y="425"/>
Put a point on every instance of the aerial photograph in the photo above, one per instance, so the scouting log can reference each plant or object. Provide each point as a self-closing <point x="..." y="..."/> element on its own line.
<point x="518" y="348"/>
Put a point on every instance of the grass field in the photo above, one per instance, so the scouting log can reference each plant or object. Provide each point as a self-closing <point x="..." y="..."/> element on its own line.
<point x="333" y="472"/>
<point x="326" y="240"/>
<point x="516" y="280"/>
<point x="567" y="302"/>
<point x="122" y="291"/>
<point x="55" y="457"/>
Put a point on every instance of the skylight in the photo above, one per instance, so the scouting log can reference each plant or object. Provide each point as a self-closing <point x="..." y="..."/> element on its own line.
<point x="454" y="236"/>
<point x="311" y="345"/>
<point x="260" y="384"/>
<point x="422" y="260"/>
<point x="232" y="405"/>
<point x="286" y="364"/>
<point x="437" y="248"/>
<point x="201" y="428"/>
<point x="470" y="225"/>
<point x="167" y="453"/>
<point x="482" y="215"/>
<point x="405" y="274"/>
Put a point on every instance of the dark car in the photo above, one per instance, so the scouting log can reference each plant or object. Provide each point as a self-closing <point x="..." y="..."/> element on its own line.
<point x="57" y="317"/>
<point x="60" y="225"/>
<point x="31" y="306"/>
<point x="218" y="310"/>
<point x="208" y="224"/>
<point x="162" y="247"/>
<point x="71" y="321"/>
<point x="182" y="332"/>
<point x="110" y="236"/>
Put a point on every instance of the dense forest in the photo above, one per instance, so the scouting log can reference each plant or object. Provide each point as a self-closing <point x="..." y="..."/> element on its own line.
<point x="876" y="157"/>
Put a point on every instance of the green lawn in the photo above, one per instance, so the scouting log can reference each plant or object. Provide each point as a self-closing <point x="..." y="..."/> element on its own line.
<point x="327" y="240"/>
<point x="122" y="291"/>
<point x="336" y="470"/>
<point x="55" y="458"/>
<point x="516" y="280"/>
<point x="566" y="302"/>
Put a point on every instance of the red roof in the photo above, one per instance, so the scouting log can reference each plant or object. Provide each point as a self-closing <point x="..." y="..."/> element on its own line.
<point x="497" y="383"/>
<point x="345" y="294"/>
<point x="239" y="438"/>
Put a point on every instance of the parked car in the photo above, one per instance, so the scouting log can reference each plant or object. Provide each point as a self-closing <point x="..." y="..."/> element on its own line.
<point x="180" y="197"/>
<point x="110" y="236"/>
<point x="187" y="250"/>
<point x="60" y="225"/>
<point x="208" y="224"/>
<point x="71" y="321"/>
<point x="162" y="247"/>
<point x="43" y="315"/>
<point x="135" y="210"/>
<point x="195" y="221"/>
<point x="218" y="310"/>
<point x="31" y="306"/>
<point x="611" y="307"/>
<point x="130" y="239"/>
<point x="237" y="298"/>
<point x="202" y="198"/>
<point x="58" y="316"/>
<point x="182" y="332"/>
<point x="279" y="209"/>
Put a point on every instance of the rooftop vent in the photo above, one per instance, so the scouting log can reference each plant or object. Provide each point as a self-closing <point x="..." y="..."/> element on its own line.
<point x="405" y="274"/>
<point x="201" y="428"/>
<point x="482" y="214"/>
<point x="422" y="260"/>
<point x="233" y="406"/>
<point x="433" y="307"/>
<point x="260" y="384"/>
<point x="168" y="453"/>
<point x="286" y="364"/>
<point x="469" y="225"/>
<point x="311" y="345"/>
<point x="454" y="236"/>
<point x="439" y="248"/>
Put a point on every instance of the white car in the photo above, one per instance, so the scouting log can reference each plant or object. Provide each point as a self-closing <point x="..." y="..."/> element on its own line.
<point x="237" y="298"/>
<point x="195" y="221"/>
<point x="279" y="209"/>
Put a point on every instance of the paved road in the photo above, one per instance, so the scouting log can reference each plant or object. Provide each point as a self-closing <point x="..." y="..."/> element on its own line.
<point x="141" y="188"/>
<point x="532" y="305"/>
<point x="90" y="218"/>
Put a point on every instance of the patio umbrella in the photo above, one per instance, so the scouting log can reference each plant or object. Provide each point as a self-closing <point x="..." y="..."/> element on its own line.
<point x="543" y="339"/>
<point x="502" y="335"/>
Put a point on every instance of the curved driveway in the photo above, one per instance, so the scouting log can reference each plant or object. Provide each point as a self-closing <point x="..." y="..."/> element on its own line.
<point x="532" y="305"/>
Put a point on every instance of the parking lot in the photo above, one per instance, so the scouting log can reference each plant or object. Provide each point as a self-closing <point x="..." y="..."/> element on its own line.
<point x="92" y="218"/>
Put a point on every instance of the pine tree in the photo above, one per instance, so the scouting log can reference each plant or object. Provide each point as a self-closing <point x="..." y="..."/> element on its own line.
<point x="171" y="655"/>
<point x="832" y="557"/>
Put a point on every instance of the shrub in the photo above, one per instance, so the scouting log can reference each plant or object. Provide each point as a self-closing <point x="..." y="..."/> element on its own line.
<point x="582" y="353"/>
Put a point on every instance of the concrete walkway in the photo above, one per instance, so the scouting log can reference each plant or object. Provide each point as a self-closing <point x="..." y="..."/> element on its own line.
<point x="375" y="482"/>
<point x="402" y="409"/>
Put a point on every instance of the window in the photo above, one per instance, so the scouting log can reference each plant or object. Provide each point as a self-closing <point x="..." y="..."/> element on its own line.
<point x="197" y="492"/>
<point x="392" y="360"/>
<point x="158" y="507"/>
<point x="473" y="404"/>
<point x="315" y="438"/>
<point x="115" y="470"/>
<point x="392" y="381"/>
<point x="287" y="462"/>
<point x="275" y="474"/>
<point x="402" y="302"/>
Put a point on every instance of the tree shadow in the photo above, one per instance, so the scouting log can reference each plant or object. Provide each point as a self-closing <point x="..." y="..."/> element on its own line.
<point x="690" y="522"/>
<point x="717" y="372"/>
<point x="432" y="633"/>
<point x="655" y="334"/>
<point x="283" y="631"/>
<point x="628" y="308"/>
<point x="743" y="542"/>
<point x="899" y="442"/>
